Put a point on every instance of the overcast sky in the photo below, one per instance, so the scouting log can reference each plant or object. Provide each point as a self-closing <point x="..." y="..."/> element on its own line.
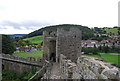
<point x="25" y="16"/>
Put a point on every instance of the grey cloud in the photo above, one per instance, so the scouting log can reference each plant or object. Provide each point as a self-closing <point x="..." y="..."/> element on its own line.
<point x="26" y="24"/>
<point x="9" y="23"/>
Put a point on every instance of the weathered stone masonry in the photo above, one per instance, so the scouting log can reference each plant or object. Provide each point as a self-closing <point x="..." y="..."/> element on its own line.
<point x="62" y="42"/>
<point x="66" y="45"/>
<point x="49" y="44"/>
<point x="87" y="68"/>
<point x="19" y="64"/>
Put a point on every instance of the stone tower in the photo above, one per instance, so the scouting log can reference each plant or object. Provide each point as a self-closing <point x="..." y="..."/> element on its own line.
<point x="68" y="43"/>
<point x="63" y="42"/>
<point x="49" y="45"/>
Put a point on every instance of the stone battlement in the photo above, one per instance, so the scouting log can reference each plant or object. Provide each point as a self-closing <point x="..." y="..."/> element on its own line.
<point x="29" y="60"/>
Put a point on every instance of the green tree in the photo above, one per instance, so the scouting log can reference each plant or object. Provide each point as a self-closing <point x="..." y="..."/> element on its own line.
<point x="89" y="50"/>
<point x="106" y="49"/>
<point x="8" y="44"/>
<point x="118" y="32"/>
<point x="21" y="43"/>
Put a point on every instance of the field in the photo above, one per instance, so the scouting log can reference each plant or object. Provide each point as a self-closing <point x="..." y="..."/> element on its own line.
<point x="36" y="54"/>
<point x="112" y="30"/>
<point x="36" y="39"/>
<point x="96" y="56"/>
<point x="108" y="58"/>
<point x="112" y="58"/>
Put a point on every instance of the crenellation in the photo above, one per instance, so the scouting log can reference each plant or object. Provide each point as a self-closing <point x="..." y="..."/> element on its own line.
<point x="31" y="59"/>
<point x="49" y="33"/>
<point x="45" y="33"/>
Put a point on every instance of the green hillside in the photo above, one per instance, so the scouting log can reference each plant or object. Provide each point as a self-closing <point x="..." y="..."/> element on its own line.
<point x="86" y="32"/>
<point x="35" y="39"/>
<point x="112" y="30"/>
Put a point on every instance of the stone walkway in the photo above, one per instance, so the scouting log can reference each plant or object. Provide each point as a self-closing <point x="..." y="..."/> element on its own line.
<point x="55" y="72"/>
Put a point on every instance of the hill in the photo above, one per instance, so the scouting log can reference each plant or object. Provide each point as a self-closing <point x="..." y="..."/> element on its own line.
<point x="111" y="30"/>
<point x="35" y="39"/>
<point x="86" y="32"/>
<point x="16" y="35"/>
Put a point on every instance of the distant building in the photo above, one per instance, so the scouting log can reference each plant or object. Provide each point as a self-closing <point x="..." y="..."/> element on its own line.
<point x="90" y="43"/>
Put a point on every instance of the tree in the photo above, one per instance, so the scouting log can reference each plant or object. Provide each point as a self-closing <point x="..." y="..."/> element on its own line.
<point x="119" y="32"/>
<point x="92" y="50"/>
<point x="8" y="44"/>
<point x="106" y="49"/>
<point x="21" y="43"/>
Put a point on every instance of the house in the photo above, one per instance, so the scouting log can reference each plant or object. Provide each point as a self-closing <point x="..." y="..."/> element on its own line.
<point x="90" y="43"/>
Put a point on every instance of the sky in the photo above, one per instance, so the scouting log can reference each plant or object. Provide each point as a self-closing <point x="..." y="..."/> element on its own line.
<point x="25" y="16"/>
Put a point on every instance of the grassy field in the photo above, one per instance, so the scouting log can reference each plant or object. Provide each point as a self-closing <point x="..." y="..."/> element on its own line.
<point x="36" y="39"/>
<point x="36" y="54"/>
<point x="112" y="30"/>
<point x="108" y="58"/>
<point x="96" y="56"/>
<point x="112" y="58"/>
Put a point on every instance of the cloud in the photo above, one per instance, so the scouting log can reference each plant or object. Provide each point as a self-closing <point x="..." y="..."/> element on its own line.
<point x="29" y="25"/>
<point x="23" y="27"/>
<point x="9" y="23"/>
<point x="2" y="8"/>
<point x="34" y="23"/>
<point x="2" y="27"/>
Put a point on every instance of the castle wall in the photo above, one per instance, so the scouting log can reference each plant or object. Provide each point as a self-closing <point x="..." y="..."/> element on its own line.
<point x="16" y="67"/>
<point x="69" y="43"/>
<point x="87" y="68"/>
<point x="19" y="64"/>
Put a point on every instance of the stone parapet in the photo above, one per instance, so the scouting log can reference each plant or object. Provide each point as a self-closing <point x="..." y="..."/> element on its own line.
<point x="19" y="64"/>
<point x="31" y="60"/>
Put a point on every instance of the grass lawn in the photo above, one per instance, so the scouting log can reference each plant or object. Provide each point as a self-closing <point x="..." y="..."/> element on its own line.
<point x="112" y="58"/>
<point x="109" y="58"/>
<point x="36" y="39"/>
<point x="36" y="54"/>
<point x="112" y="30"/>
<point x="91" y="55"/>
